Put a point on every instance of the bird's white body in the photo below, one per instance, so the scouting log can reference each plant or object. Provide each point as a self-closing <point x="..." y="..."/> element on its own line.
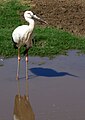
<point x="22" y="34"/>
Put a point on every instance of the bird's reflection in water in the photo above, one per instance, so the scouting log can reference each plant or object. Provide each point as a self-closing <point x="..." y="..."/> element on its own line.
<point x="22" y="108"/>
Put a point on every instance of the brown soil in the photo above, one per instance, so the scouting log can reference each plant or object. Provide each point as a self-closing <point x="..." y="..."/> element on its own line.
<point x="65" y="14"/>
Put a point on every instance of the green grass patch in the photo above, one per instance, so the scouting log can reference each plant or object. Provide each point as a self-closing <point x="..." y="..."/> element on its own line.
<point x="52" y="41"/>
<point x="10" y="18"/>
<point x="47" y="41"/>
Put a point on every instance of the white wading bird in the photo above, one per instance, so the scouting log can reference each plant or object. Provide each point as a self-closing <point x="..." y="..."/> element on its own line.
<point x="22" y="36"/>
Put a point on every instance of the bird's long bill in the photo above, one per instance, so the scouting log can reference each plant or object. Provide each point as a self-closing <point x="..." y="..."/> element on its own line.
<point x="39" y="19"/>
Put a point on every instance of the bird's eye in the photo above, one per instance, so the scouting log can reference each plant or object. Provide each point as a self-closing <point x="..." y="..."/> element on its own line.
<point x="29" y="14"/>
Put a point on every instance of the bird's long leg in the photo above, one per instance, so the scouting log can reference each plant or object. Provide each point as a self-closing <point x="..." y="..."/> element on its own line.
<point x="18" y="88"/>
<point x="27" y="74"/>
<point x="18" y="67"/>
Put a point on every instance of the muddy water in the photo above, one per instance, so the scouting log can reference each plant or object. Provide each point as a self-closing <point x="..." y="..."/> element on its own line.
<point x="56" y="87"/>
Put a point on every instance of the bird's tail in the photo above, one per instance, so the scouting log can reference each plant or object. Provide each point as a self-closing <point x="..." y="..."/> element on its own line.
<point x="14" y="44"/>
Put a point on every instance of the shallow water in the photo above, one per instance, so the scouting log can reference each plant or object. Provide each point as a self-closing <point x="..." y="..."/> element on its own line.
<point x="56" y="87"/>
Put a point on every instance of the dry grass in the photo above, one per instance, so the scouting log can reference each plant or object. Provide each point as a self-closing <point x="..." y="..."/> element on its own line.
<point x="2" y="1"/>
<point x="27" y="2"/>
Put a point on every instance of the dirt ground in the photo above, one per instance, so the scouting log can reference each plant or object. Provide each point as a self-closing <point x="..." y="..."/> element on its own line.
<point x="64" y="14"/>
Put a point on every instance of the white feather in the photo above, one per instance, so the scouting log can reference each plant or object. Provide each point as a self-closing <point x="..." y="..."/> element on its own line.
<point x="24" y="32"/>
<point x="20" y="32"/>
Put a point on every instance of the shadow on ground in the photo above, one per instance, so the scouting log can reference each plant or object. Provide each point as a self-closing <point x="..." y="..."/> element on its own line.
<point x="46" y="72"/>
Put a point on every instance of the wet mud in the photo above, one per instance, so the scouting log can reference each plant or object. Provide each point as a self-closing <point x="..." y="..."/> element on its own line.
<point x="56" y="88"/>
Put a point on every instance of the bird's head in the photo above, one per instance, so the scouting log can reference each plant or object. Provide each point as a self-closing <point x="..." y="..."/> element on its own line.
<point x="30" y="15"/>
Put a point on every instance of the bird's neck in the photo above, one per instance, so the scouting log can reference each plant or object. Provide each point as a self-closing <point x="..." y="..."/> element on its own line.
<point x="31" y="23"/>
